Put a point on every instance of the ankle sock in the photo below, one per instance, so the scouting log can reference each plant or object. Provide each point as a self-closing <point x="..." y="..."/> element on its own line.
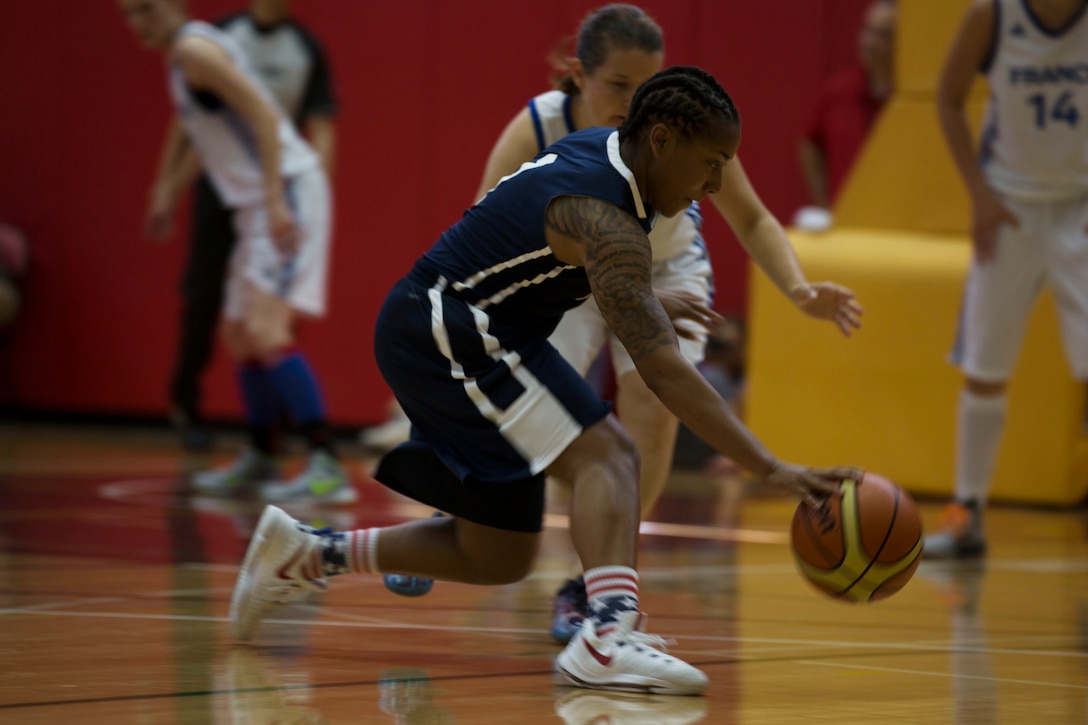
<point x="611" y="591"/>
<point x="351" y="552"/>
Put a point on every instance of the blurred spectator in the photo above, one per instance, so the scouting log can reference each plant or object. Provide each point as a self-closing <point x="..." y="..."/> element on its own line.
<point x="14" y="263"/>
<point x="847" y="106"/>
<point x="13" y="268"/>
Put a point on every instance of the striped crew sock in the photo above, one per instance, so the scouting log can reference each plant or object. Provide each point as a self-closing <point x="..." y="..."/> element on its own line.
<point x="611" y="591"/>
<point x="351" y="552"/>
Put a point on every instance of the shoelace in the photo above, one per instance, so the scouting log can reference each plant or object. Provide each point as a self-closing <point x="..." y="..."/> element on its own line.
<point x="648" y="640"/>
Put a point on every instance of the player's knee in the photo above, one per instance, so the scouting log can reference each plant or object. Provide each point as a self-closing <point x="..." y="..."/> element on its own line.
<point x="606" y="454"/>
<point x="235" y="340"/>
<point x="512" y="566"/>
<point x="621" y="454"/>
<point x="263" y="341"/>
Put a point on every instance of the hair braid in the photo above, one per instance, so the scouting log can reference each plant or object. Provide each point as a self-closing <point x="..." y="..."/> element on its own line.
<point x="685" y="97"/>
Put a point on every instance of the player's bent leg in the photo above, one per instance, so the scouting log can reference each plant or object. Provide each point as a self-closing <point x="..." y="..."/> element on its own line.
<point x="267" y="323"/>
<point x="610" y="650"/>
<point x="601" y="467"/>
<point x="410" y="586"/>
<point x="453" y="549"/>
<point x="654" y="429"/>
<point x="264" y="333"/>
<point x="285" y="558"/>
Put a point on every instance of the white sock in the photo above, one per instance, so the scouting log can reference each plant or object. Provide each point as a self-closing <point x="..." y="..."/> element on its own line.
<point x="981" y="420"/>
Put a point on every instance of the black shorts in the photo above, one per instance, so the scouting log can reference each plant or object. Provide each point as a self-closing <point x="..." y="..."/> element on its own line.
<point x="413" y="469"/>
<point x="495" y="404"/>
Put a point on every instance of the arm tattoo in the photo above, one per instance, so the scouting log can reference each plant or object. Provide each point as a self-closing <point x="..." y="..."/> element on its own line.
<point x="618" y="262"/>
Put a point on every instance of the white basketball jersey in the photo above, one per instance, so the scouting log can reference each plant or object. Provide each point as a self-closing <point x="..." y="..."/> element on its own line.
<point x="1035" y="139"/>
<point x="670" y="236"/>
<point x="225" y="142"/>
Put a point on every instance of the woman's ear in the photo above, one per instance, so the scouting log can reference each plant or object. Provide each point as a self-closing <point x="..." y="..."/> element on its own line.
<point x="577" y="72"/>
<point x="660" y="136"/>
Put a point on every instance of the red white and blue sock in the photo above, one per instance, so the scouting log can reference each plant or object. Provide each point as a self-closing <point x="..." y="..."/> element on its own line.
<point x="350" y="552"/>
<point x="612" y="591"/>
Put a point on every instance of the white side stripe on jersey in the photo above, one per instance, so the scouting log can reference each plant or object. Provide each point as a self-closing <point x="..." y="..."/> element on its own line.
<point x="522" y="284"/>
<point x="502" y="294"/>
<point x="501" y="266"/>
<point x="534" y="444"/>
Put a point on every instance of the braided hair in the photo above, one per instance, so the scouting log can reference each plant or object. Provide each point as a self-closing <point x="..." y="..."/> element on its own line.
<point x="683" y="96"/>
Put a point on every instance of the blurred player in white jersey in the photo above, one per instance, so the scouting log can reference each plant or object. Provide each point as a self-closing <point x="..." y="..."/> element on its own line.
<point x="1029" y="218"/>
<point x="293" y="66"/>
<point x="229" y="123"/>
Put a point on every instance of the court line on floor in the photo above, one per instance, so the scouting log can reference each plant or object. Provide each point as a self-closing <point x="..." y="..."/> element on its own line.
<point x="953" y="674"/>
<point x="931" y="646"/>
<point x="164" y="594"/>
<point x="270" y="689"/>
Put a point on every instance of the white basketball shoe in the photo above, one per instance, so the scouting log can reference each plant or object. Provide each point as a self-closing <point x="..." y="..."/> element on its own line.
<point x="250" y="469"/>
<point x="279" y="565"/>
<point x="323" y="480"/>
<point x="627" y="660"/>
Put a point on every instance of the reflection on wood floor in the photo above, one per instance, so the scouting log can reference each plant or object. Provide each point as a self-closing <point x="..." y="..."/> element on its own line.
<point x="115" y="583"/>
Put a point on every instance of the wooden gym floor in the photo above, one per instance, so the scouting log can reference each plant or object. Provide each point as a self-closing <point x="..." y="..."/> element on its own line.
<point x="114" y="587"/>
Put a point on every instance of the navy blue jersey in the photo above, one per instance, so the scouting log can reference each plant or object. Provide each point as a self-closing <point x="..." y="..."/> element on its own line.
<point x="463" y="339"/>
<point x="497" y="256"/>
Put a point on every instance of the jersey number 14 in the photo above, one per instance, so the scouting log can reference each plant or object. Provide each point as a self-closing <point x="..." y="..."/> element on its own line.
<point x="1062" y="110"/>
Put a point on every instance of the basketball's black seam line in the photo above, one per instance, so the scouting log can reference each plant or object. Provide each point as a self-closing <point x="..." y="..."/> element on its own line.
<point x="819" y="544"/>
<point x="873" y="558"/>
<point x="881" y="585"/>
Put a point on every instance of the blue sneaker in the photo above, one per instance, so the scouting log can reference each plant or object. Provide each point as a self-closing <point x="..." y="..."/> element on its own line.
<point x="407" y="586"/>
<point x="571" y="607"/>
<point x="410" y="586"/>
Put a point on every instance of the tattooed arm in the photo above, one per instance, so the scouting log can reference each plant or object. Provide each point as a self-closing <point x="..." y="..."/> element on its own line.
<point x="615" y="252"/>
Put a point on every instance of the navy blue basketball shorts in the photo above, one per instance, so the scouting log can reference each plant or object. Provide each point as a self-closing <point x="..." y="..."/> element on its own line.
<point x="495" y="405"/>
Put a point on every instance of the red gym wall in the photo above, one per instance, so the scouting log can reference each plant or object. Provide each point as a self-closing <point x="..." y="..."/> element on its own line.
<point x="425" y="87"/>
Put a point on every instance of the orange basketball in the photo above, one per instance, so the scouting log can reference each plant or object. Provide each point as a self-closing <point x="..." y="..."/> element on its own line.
<point x="863" y="544"/>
